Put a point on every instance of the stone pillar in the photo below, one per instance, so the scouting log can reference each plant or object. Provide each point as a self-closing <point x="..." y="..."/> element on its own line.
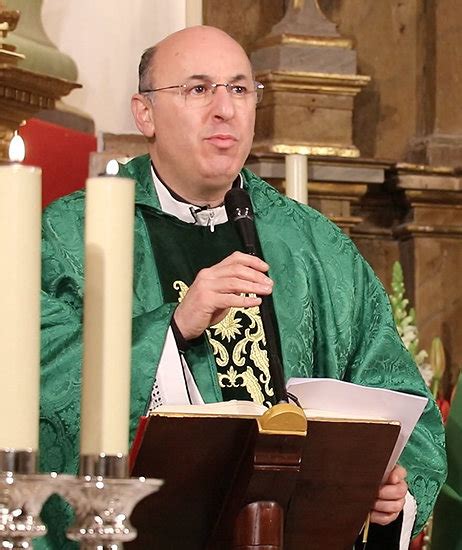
<point x="439" y="137"/>
<point x="310" y="78"/>
<point x="430" y="242"/>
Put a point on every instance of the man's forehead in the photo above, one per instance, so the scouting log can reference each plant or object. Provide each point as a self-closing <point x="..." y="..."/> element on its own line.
<point x="239" y="77"/>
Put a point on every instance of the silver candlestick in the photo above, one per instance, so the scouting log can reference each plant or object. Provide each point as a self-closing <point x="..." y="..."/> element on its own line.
<point x="103" y="498"/>
<point x="22" y="494"/>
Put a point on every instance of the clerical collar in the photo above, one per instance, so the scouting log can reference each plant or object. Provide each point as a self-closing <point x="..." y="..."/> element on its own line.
<point x="173" y="204"/>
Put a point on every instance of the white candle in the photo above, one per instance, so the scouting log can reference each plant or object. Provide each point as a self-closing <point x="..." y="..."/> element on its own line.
<point x="193" y="13"/>
<point x="297" y="177"/>
<point x="109" y="219"/>
<point x="20" y="217"/>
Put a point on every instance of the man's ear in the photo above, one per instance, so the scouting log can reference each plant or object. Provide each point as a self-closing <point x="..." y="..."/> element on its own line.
<point x="142" y="113"/>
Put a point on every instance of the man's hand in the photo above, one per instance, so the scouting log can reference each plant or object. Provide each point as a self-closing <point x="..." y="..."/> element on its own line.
<point x="390" y="500"/>
<point x="218" y="288"/>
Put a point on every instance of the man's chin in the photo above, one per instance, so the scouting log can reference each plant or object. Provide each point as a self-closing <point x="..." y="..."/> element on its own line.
<point x="221" y="173"/>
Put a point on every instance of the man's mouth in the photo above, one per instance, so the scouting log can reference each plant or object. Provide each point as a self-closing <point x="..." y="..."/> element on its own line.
<point x="222" y="141"/>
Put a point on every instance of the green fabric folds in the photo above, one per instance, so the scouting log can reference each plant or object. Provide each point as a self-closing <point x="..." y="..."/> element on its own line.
<point x="333" y="315"/>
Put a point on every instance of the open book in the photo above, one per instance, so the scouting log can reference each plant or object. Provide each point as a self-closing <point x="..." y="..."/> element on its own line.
<point x="324" y="398"/>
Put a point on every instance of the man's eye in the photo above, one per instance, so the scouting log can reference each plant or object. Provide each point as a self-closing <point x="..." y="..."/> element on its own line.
<point x="197" y="89"/>
<point x="238" y="90"/>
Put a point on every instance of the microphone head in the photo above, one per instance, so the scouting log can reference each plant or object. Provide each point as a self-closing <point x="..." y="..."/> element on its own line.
<point x="238" y="205"/>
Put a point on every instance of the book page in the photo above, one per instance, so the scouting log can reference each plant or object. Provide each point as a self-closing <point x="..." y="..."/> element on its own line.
<point x="347" y="400"/>
<point x="225" y="408"/>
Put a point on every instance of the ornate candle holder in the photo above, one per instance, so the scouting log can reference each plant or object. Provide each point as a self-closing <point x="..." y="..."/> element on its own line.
<point x="103" y="497"/>
<point x="22" y="494"/>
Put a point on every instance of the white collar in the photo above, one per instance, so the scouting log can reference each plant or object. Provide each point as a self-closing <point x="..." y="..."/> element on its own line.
<point x="186" y="212"/>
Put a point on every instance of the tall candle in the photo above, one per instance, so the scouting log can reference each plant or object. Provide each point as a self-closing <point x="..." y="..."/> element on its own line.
<point x="109" y="219"/>
<point x="20" y="216"/>
<point x="297" y="177"/>
<point x="193" y="13"/>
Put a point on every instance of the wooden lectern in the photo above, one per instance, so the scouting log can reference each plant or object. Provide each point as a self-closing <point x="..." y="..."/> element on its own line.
<point x="266" y="483"/>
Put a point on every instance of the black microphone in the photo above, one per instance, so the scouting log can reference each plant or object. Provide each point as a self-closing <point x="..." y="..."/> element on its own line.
<point x="239" y="210"/>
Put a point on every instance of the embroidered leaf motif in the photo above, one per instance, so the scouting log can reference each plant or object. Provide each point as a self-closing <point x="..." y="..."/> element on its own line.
<point x="260" y="358"/>
<point x="239" y="352"/>
<point x="219" y="351"/>
<point x="182" y="289"/>
<point x="230" y="379"/>
<point x="229" y="327"/>
<point x="253" y="313"/>
<point x="252" y="386"/>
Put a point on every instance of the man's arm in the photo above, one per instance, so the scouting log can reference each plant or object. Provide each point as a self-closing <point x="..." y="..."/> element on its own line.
<point x="381" y="360"/>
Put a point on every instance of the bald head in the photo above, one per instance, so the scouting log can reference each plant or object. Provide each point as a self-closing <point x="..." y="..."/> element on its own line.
<point x="173" y="45"/>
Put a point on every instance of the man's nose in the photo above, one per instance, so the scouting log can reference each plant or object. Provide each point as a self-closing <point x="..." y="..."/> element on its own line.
<point x="222" y="103"/>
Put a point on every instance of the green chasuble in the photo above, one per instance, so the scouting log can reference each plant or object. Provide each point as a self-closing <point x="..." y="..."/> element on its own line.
<point x="447" y="520"/>
<point x="333" y="316"/>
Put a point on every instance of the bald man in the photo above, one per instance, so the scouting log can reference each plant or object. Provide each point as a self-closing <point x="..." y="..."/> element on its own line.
<point x="197" y="332"/>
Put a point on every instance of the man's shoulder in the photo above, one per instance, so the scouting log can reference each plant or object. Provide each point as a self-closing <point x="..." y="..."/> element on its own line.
<point x="67" y="204"/>
<point x="305" y="230"/>
<point x="265" y="197"/>
<point x="136" y="168"/>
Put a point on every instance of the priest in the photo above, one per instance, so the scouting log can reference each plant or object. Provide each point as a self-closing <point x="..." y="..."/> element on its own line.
<point x="197" y="294"/>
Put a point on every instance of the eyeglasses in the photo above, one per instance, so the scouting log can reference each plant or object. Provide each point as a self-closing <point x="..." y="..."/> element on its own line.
<point x="200" y="94"/>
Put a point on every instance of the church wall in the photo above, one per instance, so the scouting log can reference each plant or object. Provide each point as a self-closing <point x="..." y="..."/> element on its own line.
<point x="106" y="40"/>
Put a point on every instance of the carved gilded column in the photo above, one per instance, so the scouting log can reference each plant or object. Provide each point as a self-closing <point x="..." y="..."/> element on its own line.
<point x="310" y="78"/>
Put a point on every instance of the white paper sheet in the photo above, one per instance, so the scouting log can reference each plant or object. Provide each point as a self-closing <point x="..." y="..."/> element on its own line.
<point x="345" y="398"/>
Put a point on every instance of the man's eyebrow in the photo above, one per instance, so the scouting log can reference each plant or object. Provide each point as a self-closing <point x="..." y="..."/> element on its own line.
<point x="239" y="77"/>
<point x="199" y="77"/>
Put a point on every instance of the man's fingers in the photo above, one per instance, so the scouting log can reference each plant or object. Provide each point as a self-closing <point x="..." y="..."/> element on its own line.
<point x="233" y="285"/>
<point x="393" y="492"/>
<point x="245" y="259"/>
<point x="391" y="497"/>
<point x="237" y="271"/>
<point x="397" y="474"/>
<point x="383" y="519"/>
<point x="386" y="511"/>
<point x="223" y="301"/>
<point x="388" y="506"/>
